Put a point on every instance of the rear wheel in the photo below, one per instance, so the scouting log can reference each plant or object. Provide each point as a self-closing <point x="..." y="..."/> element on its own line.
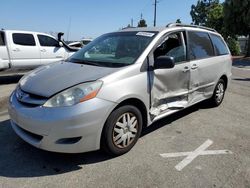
<point x="122" y="130"/>
<point x="219" y="93"/>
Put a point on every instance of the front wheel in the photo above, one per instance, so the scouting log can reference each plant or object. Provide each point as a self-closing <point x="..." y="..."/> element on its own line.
<point x="219" y="93"/>
<point x="122" y="130"/>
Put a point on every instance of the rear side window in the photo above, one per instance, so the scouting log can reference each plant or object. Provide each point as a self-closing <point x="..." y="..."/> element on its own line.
<point x="219" y="45"/>
<point x="47" y="41"/>
<point x="200" y="45"/>
<point x="23" y="39"/>
<point x="2" y="41"/>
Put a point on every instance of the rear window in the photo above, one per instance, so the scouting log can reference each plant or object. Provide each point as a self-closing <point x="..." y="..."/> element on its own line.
<point x="23" y="39"/>
<point x="200" y="45"/>
<point x="2" y="41"/>
<point x="219" y="45"/>
<point x="47" y="41"/>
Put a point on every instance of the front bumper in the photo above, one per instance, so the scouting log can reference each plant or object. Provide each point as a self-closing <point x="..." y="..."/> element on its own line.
<point x="72" y="129"/>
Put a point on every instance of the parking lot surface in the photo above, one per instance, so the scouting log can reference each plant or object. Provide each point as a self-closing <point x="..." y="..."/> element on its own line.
<point x="199" y="127"/>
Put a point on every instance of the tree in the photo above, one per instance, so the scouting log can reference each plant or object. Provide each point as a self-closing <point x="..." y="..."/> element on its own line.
<point x="199" y="12"/>
<point x="211" y="14"/>
<point x="178" y="21"/>
<point x="215" y="19"/>
<point x="237" y="18"/>
<point x="142" y="23"/>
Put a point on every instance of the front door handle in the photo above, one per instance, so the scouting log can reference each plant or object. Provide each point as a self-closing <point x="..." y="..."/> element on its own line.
<point x="43" y="50"/>
<point x="194" y="66"/>
<point x="16" y="50"/>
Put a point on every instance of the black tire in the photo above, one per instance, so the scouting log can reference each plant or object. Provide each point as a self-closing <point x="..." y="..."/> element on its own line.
<point x="115" y="121"/>
<point x="217" y="99"/>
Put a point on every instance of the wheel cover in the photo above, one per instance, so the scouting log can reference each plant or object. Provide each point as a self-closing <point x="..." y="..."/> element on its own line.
<point x="219" y="93"/>
<point x="125" y="130"/>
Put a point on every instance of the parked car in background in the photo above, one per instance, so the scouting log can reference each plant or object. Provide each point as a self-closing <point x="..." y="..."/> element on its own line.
<point x="77" y="45"/>
<point x="85" y="41"/>
<point x="80" y="44"/>
<point x="26" y="49"/>
<point x="105" y="93"/>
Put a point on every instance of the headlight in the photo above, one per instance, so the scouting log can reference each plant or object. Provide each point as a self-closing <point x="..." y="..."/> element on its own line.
<point x="75" y="95"/>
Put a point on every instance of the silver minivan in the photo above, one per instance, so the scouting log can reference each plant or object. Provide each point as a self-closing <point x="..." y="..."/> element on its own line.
<point x="103" y="95"/>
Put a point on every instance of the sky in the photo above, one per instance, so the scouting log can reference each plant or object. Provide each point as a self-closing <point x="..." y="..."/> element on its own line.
<point x="88" y="18"/>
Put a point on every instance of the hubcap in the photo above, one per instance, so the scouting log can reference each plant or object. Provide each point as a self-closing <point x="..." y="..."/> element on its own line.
<point x="219" y="92"/>
<point x="125" y="130"/>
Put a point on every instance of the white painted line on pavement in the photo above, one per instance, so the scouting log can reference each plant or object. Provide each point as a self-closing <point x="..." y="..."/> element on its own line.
<point x="190" y="156"/>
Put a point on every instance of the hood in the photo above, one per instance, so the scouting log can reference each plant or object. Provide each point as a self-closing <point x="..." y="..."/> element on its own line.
<point x="50" y="79"/>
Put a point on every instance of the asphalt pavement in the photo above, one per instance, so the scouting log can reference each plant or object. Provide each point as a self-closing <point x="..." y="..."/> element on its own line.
<point x="201" y="132"/>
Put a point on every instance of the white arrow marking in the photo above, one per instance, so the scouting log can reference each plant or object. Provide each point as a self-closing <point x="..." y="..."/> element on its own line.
<point x="190" y="156"/>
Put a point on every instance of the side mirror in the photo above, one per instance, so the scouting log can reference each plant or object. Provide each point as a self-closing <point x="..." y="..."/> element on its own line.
<point x="164" y="62"/>
<point x="60" y="44"/>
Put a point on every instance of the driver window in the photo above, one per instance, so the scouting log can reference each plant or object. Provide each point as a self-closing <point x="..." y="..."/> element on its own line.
<point x="174" y="46"/>
<point x="47" y="41"/>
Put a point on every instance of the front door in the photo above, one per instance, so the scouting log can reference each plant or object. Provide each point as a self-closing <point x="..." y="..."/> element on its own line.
<point x="169" y="87"/>
<point x="50" y="49"/>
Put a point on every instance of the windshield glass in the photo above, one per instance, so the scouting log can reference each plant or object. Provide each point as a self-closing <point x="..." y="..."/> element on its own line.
<point x="114" y="49"/>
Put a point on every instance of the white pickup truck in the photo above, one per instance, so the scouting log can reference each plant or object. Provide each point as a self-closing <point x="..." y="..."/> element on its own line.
<point x="25" y="49"/>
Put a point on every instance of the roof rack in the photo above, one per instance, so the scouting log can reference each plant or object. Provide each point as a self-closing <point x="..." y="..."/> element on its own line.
<point x="186" y="25"/>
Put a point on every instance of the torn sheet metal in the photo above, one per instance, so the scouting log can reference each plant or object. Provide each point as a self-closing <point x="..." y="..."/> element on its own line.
<point x="168" y="104"/>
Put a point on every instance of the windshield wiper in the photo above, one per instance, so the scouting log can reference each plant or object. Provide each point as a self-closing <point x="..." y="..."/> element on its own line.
<point x="84" y="62"/>
<point x="98" y="63"/>
<point x="110" y="64"/>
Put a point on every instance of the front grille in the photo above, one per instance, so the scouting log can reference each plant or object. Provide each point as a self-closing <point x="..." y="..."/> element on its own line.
<point x="29" y="99"/>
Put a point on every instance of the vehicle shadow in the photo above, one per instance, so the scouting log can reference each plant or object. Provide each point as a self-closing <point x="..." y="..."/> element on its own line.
<point x="242" y="79"/>
<point x="10" y="79"/>
<point x="173" y="117"/>
<point x="19" y="159"/>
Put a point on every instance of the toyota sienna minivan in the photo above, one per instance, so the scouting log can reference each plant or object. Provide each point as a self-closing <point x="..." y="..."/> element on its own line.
<point x="107" y="92"/>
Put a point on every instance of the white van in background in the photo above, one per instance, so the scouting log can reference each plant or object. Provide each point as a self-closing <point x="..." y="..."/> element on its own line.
<point x="26" y="49"/>
<point x="80" y="44"/>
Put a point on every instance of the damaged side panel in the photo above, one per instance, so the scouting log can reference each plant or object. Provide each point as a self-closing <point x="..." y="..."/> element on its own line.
<point x="170" y="86"/>
<point x="169" y="89"/>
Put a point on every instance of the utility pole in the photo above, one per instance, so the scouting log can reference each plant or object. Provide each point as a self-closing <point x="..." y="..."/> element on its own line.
<point x="69" y="28"/>
<point x="132" y="22"/>
<point x="155" y="12"/>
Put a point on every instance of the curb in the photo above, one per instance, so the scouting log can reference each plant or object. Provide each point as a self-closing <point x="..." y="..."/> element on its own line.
<point x="241" y="68"/>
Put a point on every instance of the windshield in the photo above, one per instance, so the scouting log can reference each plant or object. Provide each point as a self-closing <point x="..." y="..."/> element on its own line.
<point x="114" y="49"/>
